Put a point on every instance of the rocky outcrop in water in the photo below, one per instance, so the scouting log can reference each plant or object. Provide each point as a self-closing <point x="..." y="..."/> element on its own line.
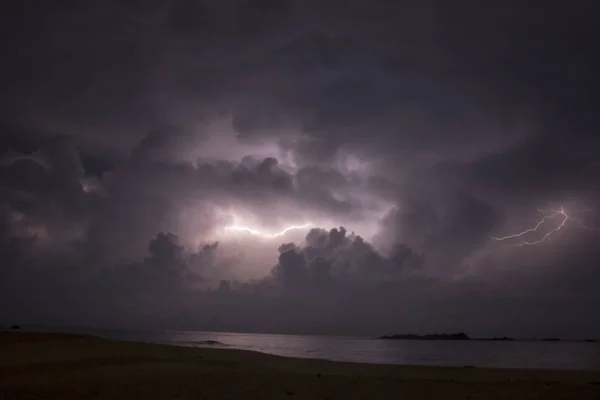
<point x="435" y="336"/>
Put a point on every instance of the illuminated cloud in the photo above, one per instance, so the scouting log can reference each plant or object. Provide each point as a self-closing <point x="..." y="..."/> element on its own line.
<point x="563" y="217"/>
<point x="124" y="164"/>
<point x="267" y="235"/>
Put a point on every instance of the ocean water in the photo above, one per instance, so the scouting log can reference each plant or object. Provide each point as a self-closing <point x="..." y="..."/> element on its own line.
<point x="538" y="355"/>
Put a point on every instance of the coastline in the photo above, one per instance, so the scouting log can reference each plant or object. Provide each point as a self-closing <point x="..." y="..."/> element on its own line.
<point x="464" y="337"/>
<point x="80" y="366"/>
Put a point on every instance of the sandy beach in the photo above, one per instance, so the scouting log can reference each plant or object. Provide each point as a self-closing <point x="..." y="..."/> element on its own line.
<point x="62" y="366"/>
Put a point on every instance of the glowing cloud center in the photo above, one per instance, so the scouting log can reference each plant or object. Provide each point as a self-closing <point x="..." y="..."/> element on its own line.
<point x="550" y="214"/>
<point x="251" y="231"/>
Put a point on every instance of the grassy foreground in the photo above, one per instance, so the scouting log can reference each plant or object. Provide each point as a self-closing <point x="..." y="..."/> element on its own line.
<point x="60" y="366"/>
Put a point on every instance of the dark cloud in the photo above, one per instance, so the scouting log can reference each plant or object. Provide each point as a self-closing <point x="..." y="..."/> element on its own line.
<point x="560" y="164"/>
<point x="406" y="133"/>
<point x="256" y="17"/>
<point x="336" y="259"/>
<point x="191" y="18"/>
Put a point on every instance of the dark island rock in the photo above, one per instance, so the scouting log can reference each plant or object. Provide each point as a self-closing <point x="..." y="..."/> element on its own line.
<point x="498" y="339"/>
<point x="15" y="327"/>
<point x="435" y="336"/>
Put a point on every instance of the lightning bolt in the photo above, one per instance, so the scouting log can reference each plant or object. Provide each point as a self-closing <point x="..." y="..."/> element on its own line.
<point x="240" y="228"/>
<point x="550" y="214"/>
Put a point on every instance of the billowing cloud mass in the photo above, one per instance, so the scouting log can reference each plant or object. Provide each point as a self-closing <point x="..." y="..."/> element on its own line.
<point x="405" y="135"/>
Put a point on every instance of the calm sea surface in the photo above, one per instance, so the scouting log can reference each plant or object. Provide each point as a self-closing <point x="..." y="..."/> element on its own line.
<point x="549" y="355"/>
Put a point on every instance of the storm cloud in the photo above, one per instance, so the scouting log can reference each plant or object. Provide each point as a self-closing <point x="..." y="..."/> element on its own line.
<point x="407" y="135"/>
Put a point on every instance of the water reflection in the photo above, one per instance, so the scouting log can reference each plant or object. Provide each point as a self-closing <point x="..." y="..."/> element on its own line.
<point x="554" y="355"/>
<point x="498" y="354"/>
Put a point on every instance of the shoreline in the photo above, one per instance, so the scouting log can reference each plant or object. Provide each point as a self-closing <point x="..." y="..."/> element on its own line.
<point x="24" y="338"/>
<point x="53" y="365"/>
<point x="213" y="345"/>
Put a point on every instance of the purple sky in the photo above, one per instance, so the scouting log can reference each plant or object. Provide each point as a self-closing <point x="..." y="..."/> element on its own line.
<point x="407" y="133"/>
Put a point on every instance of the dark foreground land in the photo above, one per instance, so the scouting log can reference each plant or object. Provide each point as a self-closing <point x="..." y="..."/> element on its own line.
<point x="53" y="366"/>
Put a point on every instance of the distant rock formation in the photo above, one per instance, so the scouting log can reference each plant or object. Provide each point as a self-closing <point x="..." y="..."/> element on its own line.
<point x="501" y="339"/>
<point x="463" y="336"/>
<point x="435" y="336"/>
<point x="209" y="343"/>
<point x="15" y="327"/>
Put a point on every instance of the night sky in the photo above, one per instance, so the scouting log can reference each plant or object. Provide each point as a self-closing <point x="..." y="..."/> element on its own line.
<point x="151" y="150"/>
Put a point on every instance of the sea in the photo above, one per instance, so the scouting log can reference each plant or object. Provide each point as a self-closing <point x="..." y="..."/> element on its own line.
<point x="560" y="355"/>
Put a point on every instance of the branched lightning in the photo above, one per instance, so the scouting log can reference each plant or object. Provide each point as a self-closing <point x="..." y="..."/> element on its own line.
<point x="549" y="214"/>
<point x="241" y="228"/>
